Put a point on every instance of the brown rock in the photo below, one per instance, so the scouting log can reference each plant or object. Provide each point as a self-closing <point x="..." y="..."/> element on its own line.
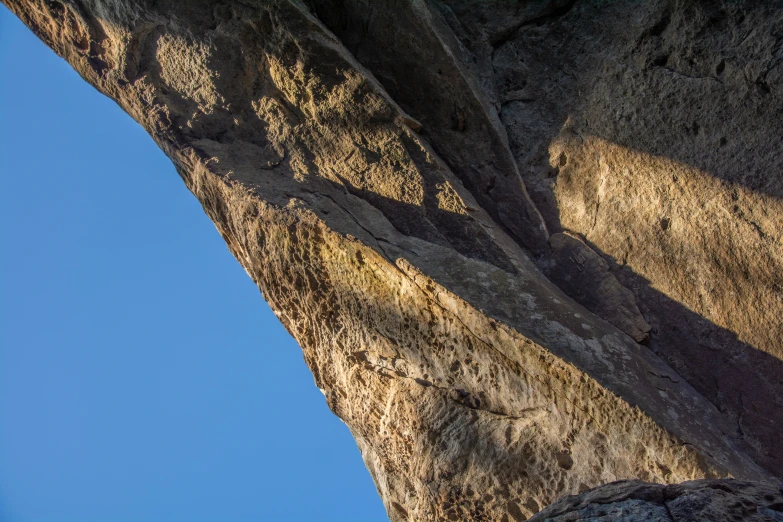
<point x="369" y="165"/>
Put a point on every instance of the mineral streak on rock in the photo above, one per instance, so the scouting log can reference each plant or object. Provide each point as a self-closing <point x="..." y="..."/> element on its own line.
<point x="389" y="174"/>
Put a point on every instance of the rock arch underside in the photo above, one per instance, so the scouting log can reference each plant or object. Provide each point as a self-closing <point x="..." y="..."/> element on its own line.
<point x="528" y="248"/>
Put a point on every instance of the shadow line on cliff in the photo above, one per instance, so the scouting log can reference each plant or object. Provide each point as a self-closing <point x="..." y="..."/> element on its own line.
<point x="739" y="364"/>
<point x="725" y="363"/>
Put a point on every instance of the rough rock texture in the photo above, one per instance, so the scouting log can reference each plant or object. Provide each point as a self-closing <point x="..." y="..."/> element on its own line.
<point x="418" y="186"/>
<point x="696" y="501"/>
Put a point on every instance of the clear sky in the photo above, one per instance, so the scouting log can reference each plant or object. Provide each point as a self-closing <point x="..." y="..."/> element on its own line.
<point x="142" y="376"/>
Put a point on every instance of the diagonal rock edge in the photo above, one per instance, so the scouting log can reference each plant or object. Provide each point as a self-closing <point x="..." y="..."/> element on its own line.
<point x="469" y="381"/>
<point x="648" y="137"/>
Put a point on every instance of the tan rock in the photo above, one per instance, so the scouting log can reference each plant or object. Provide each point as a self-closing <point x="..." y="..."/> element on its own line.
<point x="360" y="165"/>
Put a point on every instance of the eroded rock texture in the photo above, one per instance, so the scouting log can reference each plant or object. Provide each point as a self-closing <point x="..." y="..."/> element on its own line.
<point x="527" y="247"/>
<point x="696" y="501"/>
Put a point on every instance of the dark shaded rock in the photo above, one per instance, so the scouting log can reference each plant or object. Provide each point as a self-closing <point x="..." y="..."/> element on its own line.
<point x="695" y="501"/>
<point x="585" y="276"/>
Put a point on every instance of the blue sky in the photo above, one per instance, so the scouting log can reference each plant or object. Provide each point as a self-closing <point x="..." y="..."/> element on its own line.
<point x="142" y="376"/>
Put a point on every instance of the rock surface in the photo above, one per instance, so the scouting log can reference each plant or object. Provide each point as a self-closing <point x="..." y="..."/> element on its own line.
<point x="469" y="214"/>
<point x="696" y="501"/>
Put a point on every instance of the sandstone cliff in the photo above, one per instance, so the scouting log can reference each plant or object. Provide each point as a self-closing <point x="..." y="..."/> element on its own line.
<point x="527" y="247"/>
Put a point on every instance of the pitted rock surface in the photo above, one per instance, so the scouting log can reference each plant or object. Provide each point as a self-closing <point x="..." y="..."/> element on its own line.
<point x="527" y="247"/>
<point x="694" y="501"/>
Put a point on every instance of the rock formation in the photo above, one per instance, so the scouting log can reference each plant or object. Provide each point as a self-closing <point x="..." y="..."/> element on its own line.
<point x="527" y="247"/>
<point x="713" y="500"/>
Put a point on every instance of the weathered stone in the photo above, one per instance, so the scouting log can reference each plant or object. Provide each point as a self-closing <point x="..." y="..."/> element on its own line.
<point x="654" y="133"/>
<point x="695" y="501"/>
<point x="584" y="275"/>
<point x="369" y="166"/>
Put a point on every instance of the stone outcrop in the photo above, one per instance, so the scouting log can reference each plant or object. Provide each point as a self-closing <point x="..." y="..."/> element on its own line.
<point x="527" y="248"/>
<point x="696" y="501"/>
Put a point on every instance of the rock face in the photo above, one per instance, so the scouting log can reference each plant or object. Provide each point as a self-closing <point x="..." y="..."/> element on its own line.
<point x="696" y="501"/>
<point x="471" y="214"/>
